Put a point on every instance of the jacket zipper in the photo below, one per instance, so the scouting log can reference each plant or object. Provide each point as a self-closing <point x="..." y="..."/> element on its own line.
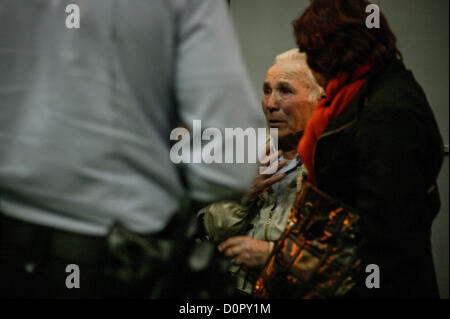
<point x="267" y="225"/>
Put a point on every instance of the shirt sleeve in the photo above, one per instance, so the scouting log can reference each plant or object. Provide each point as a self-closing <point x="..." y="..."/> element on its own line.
<point x="211" y="85"/>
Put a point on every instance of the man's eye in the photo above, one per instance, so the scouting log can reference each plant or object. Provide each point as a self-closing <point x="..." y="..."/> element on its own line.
<point x="267" y="91"/>
<point x="285" y="90"/>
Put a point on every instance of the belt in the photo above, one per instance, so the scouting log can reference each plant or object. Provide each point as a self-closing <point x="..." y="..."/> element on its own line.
<point x="41" y="241"/>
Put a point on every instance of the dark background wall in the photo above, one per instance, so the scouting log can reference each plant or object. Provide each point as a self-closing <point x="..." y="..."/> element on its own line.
<point x="421" y="26"/>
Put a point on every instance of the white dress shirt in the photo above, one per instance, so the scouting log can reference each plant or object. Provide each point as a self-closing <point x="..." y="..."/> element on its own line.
<point x="86" y="114"/>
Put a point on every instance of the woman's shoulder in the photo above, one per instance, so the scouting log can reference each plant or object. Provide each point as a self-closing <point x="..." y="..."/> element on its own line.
<point x="395" y="90"/>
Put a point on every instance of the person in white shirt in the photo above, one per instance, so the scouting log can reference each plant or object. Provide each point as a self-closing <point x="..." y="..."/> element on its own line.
<point x="86" y="115"/>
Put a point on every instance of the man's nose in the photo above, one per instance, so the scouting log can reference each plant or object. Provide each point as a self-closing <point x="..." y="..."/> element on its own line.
<point x="271" y="103"/>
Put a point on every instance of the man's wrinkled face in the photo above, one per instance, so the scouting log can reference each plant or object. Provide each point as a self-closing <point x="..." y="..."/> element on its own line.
<point x="285" y="102"/>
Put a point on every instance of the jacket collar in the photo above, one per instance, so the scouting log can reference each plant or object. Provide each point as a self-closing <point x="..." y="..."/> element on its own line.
<point x="347" y="116"/>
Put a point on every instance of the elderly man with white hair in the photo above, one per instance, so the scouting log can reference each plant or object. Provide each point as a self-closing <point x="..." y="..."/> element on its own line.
<point x="246" y="232"/>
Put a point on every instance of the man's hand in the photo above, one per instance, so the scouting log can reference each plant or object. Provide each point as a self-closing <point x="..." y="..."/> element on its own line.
<point x="245" y="250"/>
<point x="263" y="181"/>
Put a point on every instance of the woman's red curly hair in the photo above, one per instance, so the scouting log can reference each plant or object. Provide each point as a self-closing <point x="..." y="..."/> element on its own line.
<point x="334" y="35"/>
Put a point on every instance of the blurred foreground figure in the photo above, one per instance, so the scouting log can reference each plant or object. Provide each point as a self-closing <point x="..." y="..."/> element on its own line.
<point x="362" y="225"/>
<point x="87" y="186"/>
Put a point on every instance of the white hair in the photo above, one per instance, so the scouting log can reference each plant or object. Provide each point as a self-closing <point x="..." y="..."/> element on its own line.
<point x="303" y="72"/>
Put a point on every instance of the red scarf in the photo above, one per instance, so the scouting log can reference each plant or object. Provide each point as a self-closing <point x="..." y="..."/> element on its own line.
<point x="339" y="92"/>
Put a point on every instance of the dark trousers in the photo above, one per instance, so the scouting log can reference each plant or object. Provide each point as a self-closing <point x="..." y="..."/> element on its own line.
<point x="34" y="260"/>
<point x="169" y="264"/>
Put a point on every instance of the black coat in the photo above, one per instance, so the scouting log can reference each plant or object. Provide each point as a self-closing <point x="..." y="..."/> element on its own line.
<point x="382" y="156"/>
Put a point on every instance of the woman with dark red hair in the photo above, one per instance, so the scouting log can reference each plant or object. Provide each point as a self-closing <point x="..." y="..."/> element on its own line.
<point x="373" y="143"/>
